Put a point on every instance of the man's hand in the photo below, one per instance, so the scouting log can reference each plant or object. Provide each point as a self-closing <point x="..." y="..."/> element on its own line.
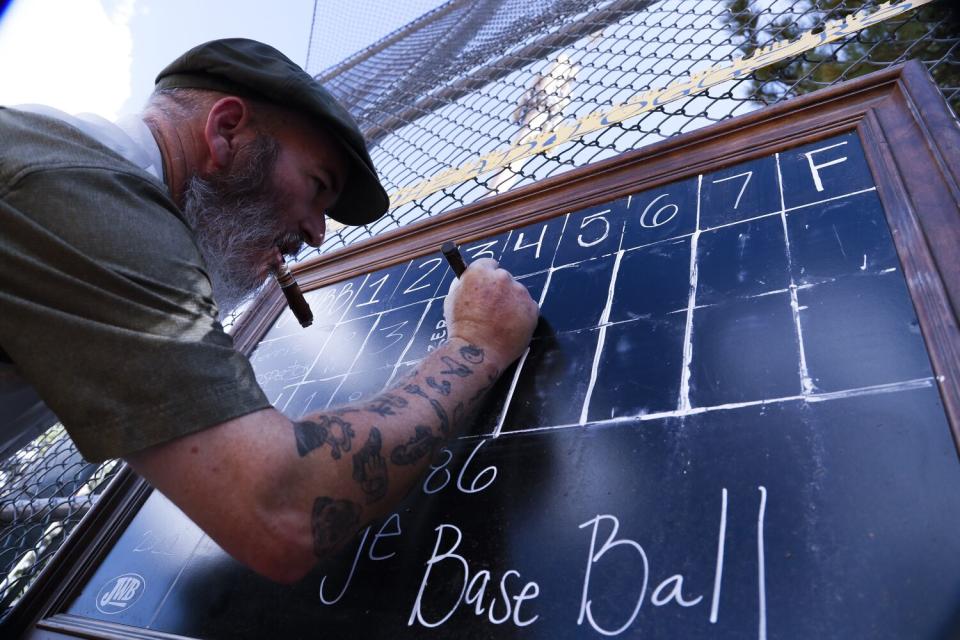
<point x="487" y="307"/>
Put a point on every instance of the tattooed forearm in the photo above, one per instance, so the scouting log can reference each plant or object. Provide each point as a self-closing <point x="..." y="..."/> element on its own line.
<point x="458" y="413"/>
<point x="441" y="415"/>
<point x="331" y="430"/>
<point x="369" y="468"/>
<point x="332" y="522"/>
<point x="414" y="389"/>
<point x="491" y="380"/>
<point x="421" y="444"/>
<point x="443" y="387"/>
<point x="472" y="354"/>
<point x="387" y="404"/>
<point x="455" y="368"/>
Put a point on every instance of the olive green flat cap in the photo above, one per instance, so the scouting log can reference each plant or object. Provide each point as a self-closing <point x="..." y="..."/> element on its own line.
<point x="248" y="68"/>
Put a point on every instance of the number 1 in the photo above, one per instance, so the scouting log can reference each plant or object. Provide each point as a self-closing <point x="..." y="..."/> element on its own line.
<point x="373" y="299"/>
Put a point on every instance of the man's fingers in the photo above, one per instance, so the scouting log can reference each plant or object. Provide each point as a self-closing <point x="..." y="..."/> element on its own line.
<point x="454" y="285"/>
<point x="484" y="263"/>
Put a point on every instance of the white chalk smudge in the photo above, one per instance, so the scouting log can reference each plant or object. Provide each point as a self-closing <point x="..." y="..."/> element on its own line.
<point x="601" y="339"/>
<point x="806" y="382"/>
<point x="683" y="402"/>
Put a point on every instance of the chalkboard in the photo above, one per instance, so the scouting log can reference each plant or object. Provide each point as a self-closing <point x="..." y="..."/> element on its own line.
<point x="729" y="426"/>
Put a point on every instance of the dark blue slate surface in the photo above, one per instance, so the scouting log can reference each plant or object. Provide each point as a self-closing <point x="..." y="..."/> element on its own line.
<point x="592" y="232"/>
<point x="531" y="248"/>
<point x="652" y="280"/>
<point x="554" y="385"/>
<point x="744" y="350"/>
<point x="850" y="548"/>
<point x="740" y="192"/>
<point x="665" y="212"/>
<point x="640" y="368"/>
<point x="420" y="282"/>
<point x="742" y="260"/>
<point x="861" y="331"/>
<point x="578" y="294"/>
<point x="838" y="163"/>
<point x="840" y="238"/>
<point x="692" y="394"/>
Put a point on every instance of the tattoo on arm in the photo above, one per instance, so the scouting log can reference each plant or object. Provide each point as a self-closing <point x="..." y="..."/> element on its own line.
<point x="332" y="522"/>
<point x="443" y="387"/>
<point x="387" y="404"/>
<point x="369" y="468"/>
<point x="472" y="354"/>
<point x="421" y="444"/>
<point x="491" y="380"/>
<point x="442" y="415"/>
<point x="326" y="429"/>
<point x="414" y="389"/>
<point x="455" y="368"/>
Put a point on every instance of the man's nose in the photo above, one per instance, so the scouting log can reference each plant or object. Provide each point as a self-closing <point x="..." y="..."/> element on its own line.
<point x="313" y="229"/>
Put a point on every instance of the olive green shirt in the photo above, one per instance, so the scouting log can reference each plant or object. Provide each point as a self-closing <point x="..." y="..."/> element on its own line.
<point x="105" y="306"/>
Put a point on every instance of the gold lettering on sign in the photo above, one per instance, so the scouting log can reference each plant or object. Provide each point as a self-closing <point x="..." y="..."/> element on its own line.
<point x="648" y="100"/>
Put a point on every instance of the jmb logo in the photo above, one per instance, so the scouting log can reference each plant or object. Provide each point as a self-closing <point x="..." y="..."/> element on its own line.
<point x="120" y="593"/>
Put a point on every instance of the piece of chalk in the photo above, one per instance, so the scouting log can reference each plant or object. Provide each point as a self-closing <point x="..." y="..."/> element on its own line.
<point x="454" y="257"/>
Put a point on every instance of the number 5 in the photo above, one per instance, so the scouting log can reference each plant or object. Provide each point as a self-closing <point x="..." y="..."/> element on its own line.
<point x="594" y="217"/>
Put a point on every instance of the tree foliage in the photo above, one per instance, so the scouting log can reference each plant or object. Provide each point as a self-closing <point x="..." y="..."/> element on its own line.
<point x="929" y="34"/>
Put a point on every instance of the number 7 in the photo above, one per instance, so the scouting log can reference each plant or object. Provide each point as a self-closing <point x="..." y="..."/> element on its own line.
<point x="742" y="189"/>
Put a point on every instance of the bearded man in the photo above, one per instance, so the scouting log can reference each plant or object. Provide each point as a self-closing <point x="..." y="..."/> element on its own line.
<point x="121" y="242"/>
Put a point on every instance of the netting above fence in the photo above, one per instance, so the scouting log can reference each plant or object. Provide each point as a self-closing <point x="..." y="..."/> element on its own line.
<point x="45" y="489"/>
<point x="472" y="77"/>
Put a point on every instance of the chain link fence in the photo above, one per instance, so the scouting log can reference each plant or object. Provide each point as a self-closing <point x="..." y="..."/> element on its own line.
<point x="469" y="77"/>
<point x="473" y="76"/>
<point x="46" y="487"/>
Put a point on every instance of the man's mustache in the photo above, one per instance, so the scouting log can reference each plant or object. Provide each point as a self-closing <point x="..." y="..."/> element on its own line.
<point x="290" y="243"/>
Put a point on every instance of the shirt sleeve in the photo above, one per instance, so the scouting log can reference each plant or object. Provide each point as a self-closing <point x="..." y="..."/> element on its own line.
<point x="106" y="309"/>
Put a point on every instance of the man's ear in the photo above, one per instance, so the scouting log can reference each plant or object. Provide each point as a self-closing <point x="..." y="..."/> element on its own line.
<point x="227" y="122"/>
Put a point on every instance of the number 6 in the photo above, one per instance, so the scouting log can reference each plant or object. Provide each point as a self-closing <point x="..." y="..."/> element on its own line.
<point x="474" y="488"/>
<point x="656" y="216"/>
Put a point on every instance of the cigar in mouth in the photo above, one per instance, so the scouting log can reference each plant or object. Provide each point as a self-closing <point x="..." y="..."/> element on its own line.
<point x="291" y="291"/>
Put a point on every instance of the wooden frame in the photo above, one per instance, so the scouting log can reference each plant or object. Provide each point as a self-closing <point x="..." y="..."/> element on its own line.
<point x="911" y="141"/>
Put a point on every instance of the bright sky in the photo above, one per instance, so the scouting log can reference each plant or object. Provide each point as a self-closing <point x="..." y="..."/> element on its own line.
<point x="101" y="56"/>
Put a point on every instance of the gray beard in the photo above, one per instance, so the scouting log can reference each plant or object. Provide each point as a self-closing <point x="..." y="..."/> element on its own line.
<point x="236" y="218"/>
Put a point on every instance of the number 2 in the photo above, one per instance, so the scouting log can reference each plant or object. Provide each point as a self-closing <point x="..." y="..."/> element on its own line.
<point x="413" y="287"/>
